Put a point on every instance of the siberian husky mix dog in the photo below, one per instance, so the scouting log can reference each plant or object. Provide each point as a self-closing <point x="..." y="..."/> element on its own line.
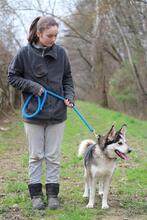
<point x="100" y="162"/>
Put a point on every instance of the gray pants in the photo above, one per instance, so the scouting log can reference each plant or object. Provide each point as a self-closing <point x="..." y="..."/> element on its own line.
<point x="44" y="142"/>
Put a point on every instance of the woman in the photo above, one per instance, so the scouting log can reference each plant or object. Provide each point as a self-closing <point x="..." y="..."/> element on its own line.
<point x="43" y="65"/>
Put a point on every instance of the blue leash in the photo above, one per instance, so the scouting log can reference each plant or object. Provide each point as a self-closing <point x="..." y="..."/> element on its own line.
<point x="42" y="102"/>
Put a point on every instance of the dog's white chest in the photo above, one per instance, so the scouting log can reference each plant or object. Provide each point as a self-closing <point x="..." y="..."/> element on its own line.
<point x="102" y="169"/>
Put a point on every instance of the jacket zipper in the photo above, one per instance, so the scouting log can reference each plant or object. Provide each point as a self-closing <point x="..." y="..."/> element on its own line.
<point x="43" y="53"/>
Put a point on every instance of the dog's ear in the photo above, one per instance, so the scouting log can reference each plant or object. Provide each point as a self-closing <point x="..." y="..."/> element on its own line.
<point x="111" y="134"/>
<point x="123" y="129"/>
<point x="108" y="138"/>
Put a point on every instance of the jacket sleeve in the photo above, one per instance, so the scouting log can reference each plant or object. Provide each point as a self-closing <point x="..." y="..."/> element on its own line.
<point x="16" y="79"/>
<point x="68" y="84"/>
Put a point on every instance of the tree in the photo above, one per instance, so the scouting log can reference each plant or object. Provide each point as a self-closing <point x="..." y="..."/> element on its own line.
<point x="118" y="46"/>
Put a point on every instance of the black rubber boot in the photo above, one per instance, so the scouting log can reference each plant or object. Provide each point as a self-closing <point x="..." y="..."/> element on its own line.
<point x="36" y="195"/>
<point x="52" y="190"/>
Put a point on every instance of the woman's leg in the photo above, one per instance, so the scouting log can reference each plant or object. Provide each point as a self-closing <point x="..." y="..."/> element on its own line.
<point x="53" y="139"/>
<point x="35" y="138"/>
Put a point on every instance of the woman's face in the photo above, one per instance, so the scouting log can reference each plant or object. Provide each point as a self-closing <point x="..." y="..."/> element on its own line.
<point x="48" y="37"/>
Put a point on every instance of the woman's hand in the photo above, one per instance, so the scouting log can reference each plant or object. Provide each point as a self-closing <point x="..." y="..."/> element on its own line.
<point x="68" y="103"/>
<point x="41" y="91"/>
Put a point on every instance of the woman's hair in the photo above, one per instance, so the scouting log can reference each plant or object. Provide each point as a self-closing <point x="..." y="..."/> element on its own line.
<point x="40" y="24"/>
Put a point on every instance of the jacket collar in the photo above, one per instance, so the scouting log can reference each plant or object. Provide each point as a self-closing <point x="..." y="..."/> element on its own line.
<point x="45" y="51"/>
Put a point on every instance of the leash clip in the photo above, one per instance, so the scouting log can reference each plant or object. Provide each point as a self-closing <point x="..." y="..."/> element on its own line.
<point x="95" y="134"/>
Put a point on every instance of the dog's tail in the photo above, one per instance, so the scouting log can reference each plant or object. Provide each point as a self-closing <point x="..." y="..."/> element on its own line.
<point x="83" y="146"/>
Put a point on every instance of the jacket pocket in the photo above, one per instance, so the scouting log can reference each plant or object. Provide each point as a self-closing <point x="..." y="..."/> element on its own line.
<point x="39" y="71"/>
<point x="55" y="85"/>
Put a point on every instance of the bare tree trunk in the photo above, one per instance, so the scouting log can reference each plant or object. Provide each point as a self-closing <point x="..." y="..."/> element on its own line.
<point x="104" y="83"/>
<point x="125" y="41"/>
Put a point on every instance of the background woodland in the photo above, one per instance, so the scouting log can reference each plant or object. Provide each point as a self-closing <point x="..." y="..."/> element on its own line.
<point x="106" y="41"/>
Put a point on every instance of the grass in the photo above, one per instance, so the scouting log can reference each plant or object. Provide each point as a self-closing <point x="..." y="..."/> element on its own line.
<point x="129" y="185"/>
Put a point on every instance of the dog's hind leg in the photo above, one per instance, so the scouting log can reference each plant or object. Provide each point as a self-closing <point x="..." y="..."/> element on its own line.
<point x="92" y="189"/>
<point x="86" y="191"/>
<point x="101" y="188"/>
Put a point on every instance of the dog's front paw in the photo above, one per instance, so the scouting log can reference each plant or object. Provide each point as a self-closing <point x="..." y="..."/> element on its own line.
<point x="90" y="206"/>
<point x="105" y="206"/>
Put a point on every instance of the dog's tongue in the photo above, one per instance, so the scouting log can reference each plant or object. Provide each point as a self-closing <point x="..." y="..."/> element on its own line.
<point x="121" y="155"/>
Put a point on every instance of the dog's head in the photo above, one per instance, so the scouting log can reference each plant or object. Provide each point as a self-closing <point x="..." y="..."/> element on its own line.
<point x="114" y="143"/>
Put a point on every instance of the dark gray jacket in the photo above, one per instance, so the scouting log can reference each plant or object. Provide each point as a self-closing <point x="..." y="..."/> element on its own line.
<point x="33" y="68"/>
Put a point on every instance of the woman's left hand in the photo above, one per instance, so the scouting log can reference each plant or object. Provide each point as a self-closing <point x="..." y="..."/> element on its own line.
<point x="68" y="103"/>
